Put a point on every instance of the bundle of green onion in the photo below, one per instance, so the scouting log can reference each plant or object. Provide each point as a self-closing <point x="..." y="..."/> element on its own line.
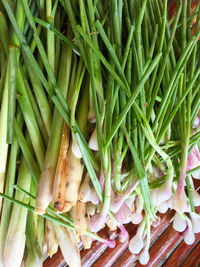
<point x="99" y="124"/>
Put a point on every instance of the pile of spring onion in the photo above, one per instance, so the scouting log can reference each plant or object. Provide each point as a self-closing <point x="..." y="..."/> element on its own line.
<point x="99" y="124"/>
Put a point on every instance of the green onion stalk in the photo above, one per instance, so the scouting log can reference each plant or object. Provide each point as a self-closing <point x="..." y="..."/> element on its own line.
<point x="12" y="68"/>
<point x="33" y="254"/>
<point x="74" y="96"/>
<point x="37" y="112"/>
<point x="180" y="202"/>
<point x="13" y="50"/>
<point x="41" y="99"/>
<point x="186" y="53"/>
<point x="29" y="117"/>
<point x="4" y="34"/>
<point x="3" y="134"/>
<point x="2" y="81"/>
<point x="50" y="36"/>
<point x="14" y="247"/>
<point x="35" y="228"/>
<point x="19" y="225"/>
<point x="9" y="190"/>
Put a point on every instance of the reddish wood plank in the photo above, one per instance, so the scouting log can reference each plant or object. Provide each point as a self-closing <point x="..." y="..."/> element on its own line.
<point x="127" y="259"/>
<point x="194" y="258"/>
<point x="162" y="245"/>
<point x="111" y="255"/>
<point x="55" y="261"/>
<point x="171" y="7"/>
<point x="181" y="253"/>
<point x="104" y="233"/>
<point x="90" y="256"/>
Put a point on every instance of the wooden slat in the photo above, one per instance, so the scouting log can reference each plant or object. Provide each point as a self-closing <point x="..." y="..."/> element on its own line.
<point x="90" y="256"/>
<point x="97" y="248"/>
<point x="111" y="255"/>
<point x="55" y="261"/>
<point x="127" y="259"/>
<point x="162" y="245"/>
<point x="194" y="258"/>
<point x="181" y="253"/>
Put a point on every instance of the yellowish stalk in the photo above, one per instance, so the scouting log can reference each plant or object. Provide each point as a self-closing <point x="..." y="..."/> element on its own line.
<point x="51" y="239"/>
<point x="87" y="192"/>
<point x="33" y="255"/>
<point x="60" y="176"/>
<point x="87" y="241"/>
<point x="15" y="239"/>
<point x="74" y="171"/>
<point x="80" y="218"/>
<point x="45" y="187"/>
<point x="68" y="246"/>
<point x="111" y="225"/>
<point x="93" y="143"/>
<point x="14" y="252"/>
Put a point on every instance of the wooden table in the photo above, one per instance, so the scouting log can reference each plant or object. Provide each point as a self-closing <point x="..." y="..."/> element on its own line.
<point x="167" y="249"/>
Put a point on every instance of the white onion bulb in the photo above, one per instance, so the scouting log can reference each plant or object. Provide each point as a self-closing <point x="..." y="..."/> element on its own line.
<point x="179" y="224"/>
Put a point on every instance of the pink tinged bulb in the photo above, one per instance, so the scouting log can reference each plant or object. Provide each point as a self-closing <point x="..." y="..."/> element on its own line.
<point x="136" y="243"/>
<point x="157" y="172"/>
<point x="119" y="200"/>
<point x="136" y="218"/>
<point x="137" y="215"/>
<point x="110" y="243"/>
<point x="75" y="149"/>
<point x="94" y="197"/>
<point x="87" y="192"/>
<point x="196" y="122"/>
<point x="102" y="180"/>
<point x="97" y="222"/>
<point x="131" y="202"/>
<point x="144" y="256"/>
<point x="91" y="208"/>
<point x="179" y="223"/>
<point x="164" y="206"/>
<point x="195" y="194"/>
<point x="179" y="201"/>
<point x="91" y="116"/>
<point x="195" y="220"/>
<point x="123" y="216"/>
<point x="188" y="235"/>
<point x="123" y="235"/>
<point x="153" y="196"/>
<point x="161" y="194"/>
<point x="156" y="222"/>
<point x="93" y="142"/>
<point x="196" y="198"/>
<point x="194" y="161"/>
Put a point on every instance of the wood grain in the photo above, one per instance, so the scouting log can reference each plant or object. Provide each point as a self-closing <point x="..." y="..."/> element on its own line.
<point x="162" y="245"/>
<point x="127" y="259"/>
<point x="193" y="259"/>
